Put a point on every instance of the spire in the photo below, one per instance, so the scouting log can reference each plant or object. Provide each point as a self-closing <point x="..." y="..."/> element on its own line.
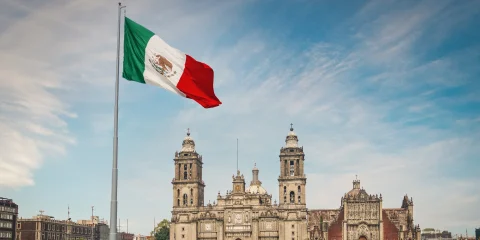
<point x="292" y="139"/>
<point x="255" y="180"/>
<point x="255" y="184"/>
<point x="188" y="144"/>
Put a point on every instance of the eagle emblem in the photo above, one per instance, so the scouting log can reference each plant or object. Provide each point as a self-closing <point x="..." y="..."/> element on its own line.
<point x="162" y="65"/>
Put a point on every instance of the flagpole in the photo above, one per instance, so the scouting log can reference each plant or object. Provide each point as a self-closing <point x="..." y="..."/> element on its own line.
<point x="113" y="202"/>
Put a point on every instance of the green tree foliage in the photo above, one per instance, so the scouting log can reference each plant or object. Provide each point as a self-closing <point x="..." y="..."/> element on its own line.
<point x="162" y="230"/>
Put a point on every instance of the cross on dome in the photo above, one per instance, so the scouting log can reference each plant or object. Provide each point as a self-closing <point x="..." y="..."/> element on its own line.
<point x="188" y="144"/>
<point x="292" y="139"/>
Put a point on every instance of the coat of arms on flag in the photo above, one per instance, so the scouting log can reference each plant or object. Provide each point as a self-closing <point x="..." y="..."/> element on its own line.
<point x="162" y="65"/>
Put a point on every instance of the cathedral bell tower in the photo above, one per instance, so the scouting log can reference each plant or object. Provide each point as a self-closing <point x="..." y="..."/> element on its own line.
<point x="292" y="179"/>
<point x="188" y="186"/>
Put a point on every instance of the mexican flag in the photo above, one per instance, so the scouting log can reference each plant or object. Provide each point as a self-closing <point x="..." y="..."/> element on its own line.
<point x="150" y="60"/>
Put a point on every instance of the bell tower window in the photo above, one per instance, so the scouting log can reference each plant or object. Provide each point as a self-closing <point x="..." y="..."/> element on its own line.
<point x="292" y="197"/>
<point x="185" y="197"/>
<point x="292" y="168"/>
<point x="185" y="174"/>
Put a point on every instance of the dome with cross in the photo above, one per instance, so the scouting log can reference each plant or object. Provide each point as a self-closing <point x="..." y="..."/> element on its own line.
<point x="188" y="144"/>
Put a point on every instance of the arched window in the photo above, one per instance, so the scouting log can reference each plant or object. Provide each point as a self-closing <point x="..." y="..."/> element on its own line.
<point x="191" y="192"/>
<point x="299" y="199"/>
<point x="191" y="201"/>
<point x="178" y="202"/>
<point x="284" y="190"/>
<point x="299" y="189"/>
<point x="285" y="198"/>
<point x="292" y="168"/>
<point x="185" y="174"/>
<point x="292" y="197"/>
<point x="178" y="193"/>
<point x="185" y="199"/>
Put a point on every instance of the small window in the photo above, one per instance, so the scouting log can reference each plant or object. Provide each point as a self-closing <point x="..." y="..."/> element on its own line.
<point x="183" y="229"/>
<point x="291" y="150"/>
<point x="293" y="233"/>
<point x="190" y="166"/>
<point x="293" y="226"/>
<point x="184" y="166"/>
<point x="185" y="154"/>
<point x="183" y="235"/>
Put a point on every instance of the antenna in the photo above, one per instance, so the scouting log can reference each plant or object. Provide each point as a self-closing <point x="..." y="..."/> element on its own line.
<point x="237" y="154"/>
<point x="127" y="225"/>
<point x="92" y="222"/>
<point x="68" y="216"/>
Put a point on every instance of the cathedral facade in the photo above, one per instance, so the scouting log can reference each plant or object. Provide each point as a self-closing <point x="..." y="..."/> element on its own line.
<point x="247" y="212"/>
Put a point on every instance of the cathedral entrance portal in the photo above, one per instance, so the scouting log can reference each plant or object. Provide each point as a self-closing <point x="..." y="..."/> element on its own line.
<point x="362" y="238"/>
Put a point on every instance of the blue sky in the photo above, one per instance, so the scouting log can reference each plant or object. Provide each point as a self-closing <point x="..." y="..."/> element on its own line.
<point x="385" y="90"/>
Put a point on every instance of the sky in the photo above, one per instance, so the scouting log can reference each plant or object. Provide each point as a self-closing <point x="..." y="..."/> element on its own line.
<point x="385" y="90"/>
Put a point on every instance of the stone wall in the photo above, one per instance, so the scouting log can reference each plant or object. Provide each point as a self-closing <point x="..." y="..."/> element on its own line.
<point x="390" y="231"/>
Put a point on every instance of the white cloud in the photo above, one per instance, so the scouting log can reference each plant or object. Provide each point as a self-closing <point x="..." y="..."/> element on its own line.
<point x="64" y="64"/>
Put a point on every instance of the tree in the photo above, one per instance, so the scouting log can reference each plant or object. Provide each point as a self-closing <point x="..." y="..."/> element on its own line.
<point x="162" y="230"/>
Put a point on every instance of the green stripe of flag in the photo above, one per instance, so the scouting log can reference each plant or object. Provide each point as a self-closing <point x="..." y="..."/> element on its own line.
<point x="135" y="41"/>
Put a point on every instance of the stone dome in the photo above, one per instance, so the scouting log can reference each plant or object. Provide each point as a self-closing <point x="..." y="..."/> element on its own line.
<point x="188" y="144"/>
<point x="291" y="140"/>
<point x="256" y="189"/>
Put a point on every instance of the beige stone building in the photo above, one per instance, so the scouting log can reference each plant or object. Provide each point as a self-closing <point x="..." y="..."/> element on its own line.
<point x="247" y="212"/>
<point x="361" y="216"/>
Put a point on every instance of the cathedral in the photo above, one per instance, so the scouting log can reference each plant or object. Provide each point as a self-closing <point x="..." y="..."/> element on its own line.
<point x="247" y="212"/>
